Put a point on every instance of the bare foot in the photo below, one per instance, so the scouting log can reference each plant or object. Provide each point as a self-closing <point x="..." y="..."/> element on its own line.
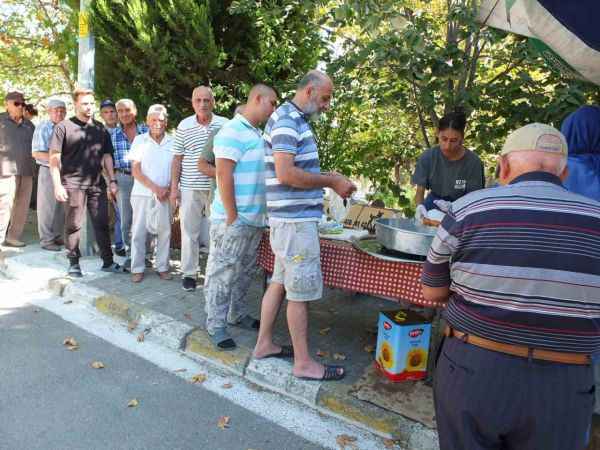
<point x="311" y="369"/>
<point x="265" y="350"/>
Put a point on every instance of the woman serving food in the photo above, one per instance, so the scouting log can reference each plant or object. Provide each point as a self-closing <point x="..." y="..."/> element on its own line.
<point x="449" y="170"/>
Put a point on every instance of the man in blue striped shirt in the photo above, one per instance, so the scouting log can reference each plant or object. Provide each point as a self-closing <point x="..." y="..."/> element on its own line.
<point x="519" y="267"/>
<point x="238" y="217"/>
<point x="295" y="185"/>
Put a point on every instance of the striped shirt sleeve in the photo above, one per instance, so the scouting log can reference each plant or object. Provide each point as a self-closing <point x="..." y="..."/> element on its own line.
<point x="436" y="270"/>
<point x="178" y="147"/>
<point x="285" y="136"/>
<point x="227" y="145"/>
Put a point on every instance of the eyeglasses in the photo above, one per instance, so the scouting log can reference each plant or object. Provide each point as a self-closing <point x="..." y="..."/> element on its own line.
<point x="19" y="103"/>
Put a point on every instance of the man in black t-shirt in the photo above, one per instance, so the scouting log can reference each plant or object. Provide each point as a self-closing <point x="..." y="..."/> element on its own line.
<point x="80" y="148"/>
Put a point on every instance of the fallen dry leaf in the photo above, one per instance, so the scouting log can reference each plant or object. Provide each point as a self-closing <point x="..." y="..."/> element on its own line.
<point x="132" y="325"/>
<point x="199" y="378"/>
<point x="322" y="354"/>
<point x="180" y="370"/>
<point x="97" y="365"/>
<point x="227" y="386"/>
<point x="71" y="343"/>
<point x="369" y="348"/>
<point x="324" y="331"/>
<point x="141" y="337"/>
<point x="344" y="441"/>
<point x="388" y="443"/>
<point x="133" y="403"/>
<point x="67" y="302"/>
<point x="223" y="422"/>
<point x="339" y="356"/>
<point x="188" y="316"/>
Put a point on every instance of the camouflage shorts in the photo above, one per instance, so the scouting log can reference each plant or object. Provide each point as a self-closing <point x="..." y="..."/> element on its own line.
<point x="297" y="259"/>
<point x="229" y="270"/>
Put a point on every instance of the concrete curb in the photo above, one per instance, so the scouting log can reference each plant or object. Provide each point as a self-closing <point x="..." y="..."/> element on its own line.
<point x="273" y="374"/>
<point x="199" y="345"/>
<point x="336" y="399"/>
<point x="276" y="374"/>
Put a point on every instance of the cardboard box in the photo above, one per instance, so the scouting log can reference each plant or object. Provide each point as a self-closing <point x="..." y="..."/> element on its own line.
<point x="402" y="345"/>
<point x="362" y="217"/>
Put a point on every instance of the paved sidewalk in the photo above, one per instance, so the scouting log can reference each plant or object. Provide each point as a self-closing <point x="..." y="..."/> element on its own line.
<point x="342" y="325"/>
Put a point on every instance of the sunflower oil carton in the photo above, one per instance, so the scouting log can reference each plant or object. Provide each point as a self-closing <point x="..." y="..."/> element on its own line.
<point x="402" y="345"/>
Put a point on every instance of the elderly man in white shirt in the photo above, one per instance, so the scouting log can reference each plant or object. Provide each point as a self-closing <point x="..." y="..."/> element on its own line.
<point x="151" y="157"/>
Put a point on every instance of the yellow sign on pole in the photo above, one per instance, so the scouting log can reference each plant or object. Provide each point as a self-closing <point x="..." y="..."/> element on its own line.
<point x="84" y="24"/>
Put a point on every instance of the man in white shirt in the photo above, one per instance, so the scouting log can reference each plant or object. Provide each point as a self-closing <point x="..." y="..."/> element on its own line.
<point x="151" y="157"/>
<point x="191" y="187"/>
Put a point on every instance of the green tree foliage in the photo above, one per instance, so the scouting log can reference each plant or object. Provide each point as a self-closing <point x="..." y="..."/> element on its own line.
<point x="37" y="47"/>
<point x="158" y="51"/>
<point x="404" y="64"/>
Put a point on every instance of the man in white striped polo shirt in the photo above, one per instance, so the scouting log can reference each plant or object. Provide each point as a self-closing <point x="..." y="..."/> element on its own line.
<point x="294" y="185"/>
<point x="189" y="186"/>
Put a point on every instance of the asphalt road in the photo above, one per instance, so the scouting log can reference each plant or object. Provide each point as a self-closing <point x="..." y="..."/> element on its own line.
<point x="50" y="397"/>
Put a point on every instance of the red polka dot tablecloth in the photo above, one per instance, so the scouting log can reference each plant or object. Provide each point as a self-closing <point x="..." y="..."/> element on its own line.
<point x="345" y="267"/>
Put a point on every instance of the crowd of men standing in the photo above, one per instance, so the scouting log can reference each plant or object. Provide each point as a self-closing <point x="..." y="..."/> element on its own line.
<point x="517" y="265"/>
<point x="229" y="179"/>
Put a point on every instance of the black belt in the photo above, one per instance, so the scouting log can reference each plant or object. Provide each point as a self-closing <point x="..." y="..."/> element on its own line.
<point x="125" y="171"/>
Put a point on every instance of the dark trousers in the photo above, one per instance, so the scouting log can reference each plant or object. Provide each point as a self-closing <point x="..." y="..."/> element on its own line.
<point x="97" y="205"/>
<point x="489" y="400"/>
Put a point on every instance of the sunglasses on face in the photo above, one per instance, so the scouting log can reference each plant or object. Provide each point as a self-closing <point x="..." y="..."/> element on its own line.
<point x="19" y="103"/>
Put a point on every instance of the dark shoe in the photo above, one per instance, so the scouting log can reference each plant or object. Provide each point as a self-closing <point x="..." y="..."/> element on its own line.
<point x="221" y="339"/>
<point x="51" y="247"/>
<point x="331" y="373"/>
<point x="114" y="268"/>
<point x="248" y="323"/>
<point x="120" y="251"/>
<point x="189" y="284"/>
<point x="287" y="351"/>
<point x="14" y="243"/>
<point x="75" y="271"/>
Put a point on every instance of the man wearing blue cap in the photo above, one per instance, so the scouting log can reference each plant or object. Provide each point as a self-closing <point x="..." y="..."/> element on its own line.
<point x="108" y="112"/>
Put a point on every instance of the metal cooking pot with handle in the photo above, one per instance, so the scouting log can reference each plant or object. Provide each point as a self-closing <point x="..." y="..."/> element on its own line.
<point x="404" y="235"/>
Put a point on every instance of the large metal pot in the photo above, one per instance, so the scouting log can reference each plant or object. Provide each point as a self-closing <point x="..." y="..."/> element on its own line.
<point x="404" y="235"/>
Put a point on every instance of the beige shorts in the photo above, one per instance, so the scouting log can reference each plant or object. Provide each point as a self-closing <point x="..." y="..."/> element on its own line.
<point x="297" y="259"/>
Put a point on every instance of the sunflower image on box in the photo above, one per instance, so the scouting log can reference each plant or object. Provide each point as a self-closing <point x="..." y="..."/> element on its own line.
<point x="402" y="345"/>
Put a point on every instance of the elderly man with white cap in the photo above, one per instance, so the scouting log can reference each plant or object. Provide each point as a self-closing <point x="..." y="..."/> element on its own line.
<point x="519" y="269"/>
<point x="50" y="213"/>
<point x="151" y="158"/>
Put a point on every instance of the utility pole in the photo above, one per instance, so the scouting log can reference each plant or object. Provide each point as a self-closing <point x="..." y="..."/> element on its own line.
<point x="85" y="78"/>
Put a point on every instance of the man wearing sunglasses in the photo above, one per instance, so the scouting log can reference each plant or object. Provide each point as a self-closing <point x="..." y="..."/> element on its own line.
<point x="16" y="169"/>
